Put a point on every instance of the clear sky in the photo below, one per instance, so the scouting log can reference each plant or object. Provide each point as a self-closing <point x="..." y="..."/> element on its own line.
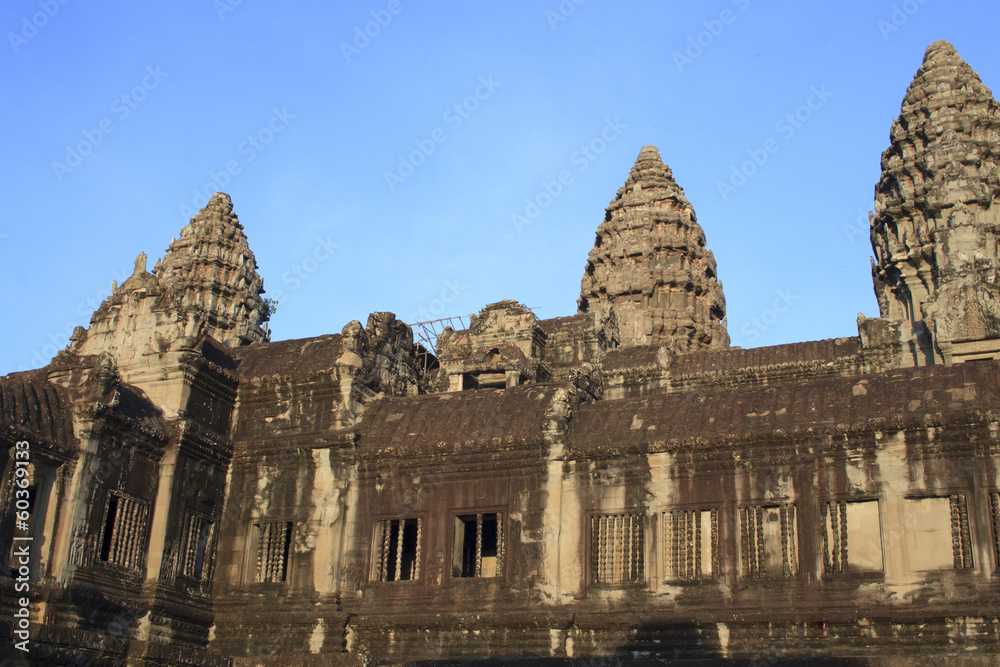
<point x="379" y="153"/>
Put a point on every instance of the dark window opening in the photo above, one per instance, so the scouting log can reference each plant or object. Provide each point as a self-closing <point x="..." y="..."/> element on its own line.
<point x="124" y="535"/>
<point x="195" y="552"/>
<point x="478" y="545"/>
<point x="398" y="544"/>
<point x="484" y="380"/>
<point x="109" y="528"/>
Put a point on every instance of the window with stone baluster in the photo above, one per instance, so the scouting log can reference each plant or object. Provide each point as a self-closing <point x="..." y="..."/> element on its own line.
<point x="195" y="543"/>
<point x="938" y="535"/>
<point x="995" y="520"/>
<point x="852" y="537"/>
<point x="123" y="539"/>
<point x="690" y="544"/>
<point x="768" y="540"/>
<point x="478" y="549"/>
<point x="269" y="543"/>
<point x="397" y="549"/>
<point x="617" y="548"/>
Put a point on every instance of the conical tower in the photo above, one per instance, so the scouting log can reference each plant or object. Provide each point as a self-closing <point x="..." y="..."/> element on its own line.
<point x="211" y="268"/>
<point x="937" y="211"/>
<point x="650" y="263"/>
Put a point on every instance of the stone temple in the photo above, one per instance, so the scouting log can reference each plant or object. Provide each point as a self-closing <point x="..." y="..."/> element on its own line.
<point x="619" y="484"/>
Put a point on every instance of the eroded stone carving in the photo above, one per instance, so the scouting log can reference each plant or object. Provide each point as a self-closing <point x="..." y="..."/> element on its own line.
<point x="206" y="285"/>
<point x="211" y="268"/>
<point x="651" y="263"/>
<point x="503" y="347"/>
<point x="937" y="211"/>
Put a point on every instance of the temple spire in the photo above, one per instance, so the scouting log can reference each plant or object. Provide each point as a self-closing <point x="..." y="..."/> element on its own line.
<point x="211" y="268"/>
<point x="651" y="264"/>
<point x="937" y="210"/>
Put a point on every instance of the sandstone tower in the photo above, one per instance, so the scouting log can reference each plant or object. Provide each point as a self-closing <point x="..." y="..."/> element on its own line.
<point x="206" y="285"/>
<point x="211" y="267"/>
<point x="651" y="264"/>
<point x="937" y="212"/>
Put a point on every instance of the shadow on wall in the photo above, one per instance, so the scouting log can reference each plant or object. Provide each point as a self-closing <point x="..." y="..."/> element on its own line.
<point x="643" y="662"/>
<point x="659" y="644"/>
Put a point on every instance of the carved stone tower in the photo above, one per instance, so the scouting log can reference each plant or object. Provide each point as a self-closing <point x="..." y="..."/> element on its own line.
<point x="211" y="268"/>
<point x="937" y="215"/>
<point x="205" y="286"/>
<point x="650" y="263"/>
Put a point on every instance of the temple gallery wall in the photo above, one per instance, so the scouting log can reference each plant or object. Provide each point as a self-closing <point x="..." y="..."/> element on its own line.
<point x="618" y="483"/>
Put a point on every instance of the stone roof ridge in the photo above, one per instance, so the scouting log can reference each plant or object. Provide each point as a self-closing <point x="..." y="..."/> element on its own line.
<point x="31" y="405"/>
<point x="456" y="421"/>
<point x="898" y="399"/>
<point x="140" y="278"/>
<point x="294" y="356"/>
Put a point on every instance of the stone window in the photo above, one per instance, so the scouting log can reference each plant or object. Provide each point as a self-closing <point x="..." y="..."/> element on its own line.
<point x="194" y="547"/>
<point x="852" y="536"/>
<point x="690" y="544"/>
<point x="768" y="540"/>
<point x="618" y="547"/>
<point x="478" y="545"/>
<point x="124" y="539"/>
<point x="995" y="513"/>
<point x="397" y="549"/>
<point x="269" y="542"/>
<point x="937" y="533"/>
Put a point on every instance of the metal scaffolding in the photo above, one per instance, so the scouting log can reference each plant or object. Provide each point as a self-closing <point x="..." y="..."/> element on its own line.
<point x="426" y="334"/>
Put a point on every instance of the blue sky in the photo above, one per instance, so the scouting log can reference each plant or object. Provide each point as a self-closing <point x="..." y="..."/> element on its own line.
<point x="378" y="153"/>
